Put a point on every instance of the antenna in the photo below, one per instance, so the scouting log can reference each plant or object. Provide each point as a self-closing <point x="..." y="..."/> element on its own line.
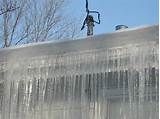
<point x="89" y="20"/>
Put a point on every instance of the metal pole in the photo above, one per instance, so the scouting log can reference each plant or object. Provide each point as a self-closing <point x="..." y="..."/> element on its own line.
<point x="90" y="25"/>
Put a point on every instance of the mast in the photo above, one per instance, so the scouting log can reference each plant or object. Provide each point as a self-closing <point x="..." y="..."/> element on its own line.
<point x="89" y="20"/>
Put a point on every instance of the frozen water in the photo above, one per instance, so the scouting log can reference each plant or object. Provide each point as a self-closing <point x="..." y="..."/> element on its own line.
<point x="119" y="82"/>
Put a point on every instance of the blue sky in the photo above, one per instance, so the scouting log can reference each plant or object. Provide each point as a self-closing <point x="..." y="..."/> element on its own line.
<point x="113" y="12"/>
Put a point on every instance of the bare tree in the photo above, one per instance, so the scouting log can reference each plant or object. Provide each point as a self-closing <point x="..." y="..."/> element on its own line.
<point x="33" y="21"/>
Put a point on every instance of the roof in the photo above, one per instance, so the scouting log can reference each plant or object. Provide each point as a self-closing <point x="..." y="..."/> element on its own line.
<point x="107" y="40"/>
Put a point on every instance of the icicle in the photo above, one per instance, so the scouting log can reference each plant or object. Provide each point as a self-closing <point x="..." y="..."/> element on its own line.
<point x="115" y="83"/>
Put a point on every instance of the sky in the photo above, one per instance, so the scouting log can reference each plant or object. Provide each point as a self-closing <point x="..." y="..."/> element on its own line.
<point x="114" y="12"/>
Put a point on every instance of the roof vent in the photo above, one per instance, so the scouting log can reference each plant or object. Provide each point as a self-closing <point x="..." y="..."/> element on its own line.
<point x="119" y="27"/>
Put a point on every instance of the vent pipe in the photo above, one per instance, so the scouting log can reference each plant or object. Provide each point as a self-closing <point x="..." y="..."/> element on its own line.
<point x="119" y="27"/>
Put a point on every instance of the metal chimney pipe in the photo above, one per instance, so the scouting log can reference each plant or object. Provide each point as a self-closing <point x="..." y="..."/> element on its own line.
<point x="119" y="27"/>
